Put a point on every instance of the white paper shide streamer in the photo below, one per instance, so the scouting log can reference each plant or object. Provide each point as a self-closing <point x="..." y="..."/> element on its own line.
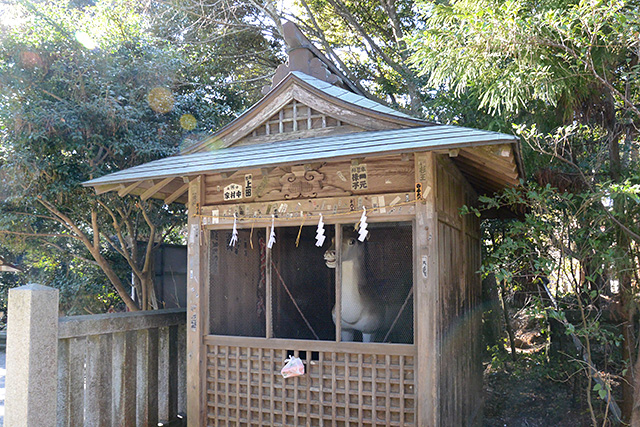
<point x="362" y="231"/>
<point x="234" y="232"/>
<point x="320" y="233"/>
<point x="272" y="235"/>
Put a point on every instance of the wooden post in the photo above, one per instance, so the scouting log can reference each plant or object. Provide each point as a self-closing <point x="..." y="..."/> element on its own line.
<point x="338" y="273"/>
<point x="426" y="286"/>
<point x="195" y="320"/>
<point x="268" y="290"/>
<point x="32" y="356"/>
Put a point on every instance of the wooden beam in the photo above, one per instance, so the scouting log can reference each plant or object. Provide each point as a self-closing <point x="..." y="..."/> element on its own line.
<point x="266" y="171"/>
<point x="129" y="188"/>
<point x="499" y="163"/>
<point x="155" y="188"/>
<point x="227" y="174"/>
<point x="495" y="163"/>
<point x="174" y="196"/>
<point x="313" y="166"/>
<point x="101" y="189"/>
<point x="486" y="172"/>
<point x="482" y="187"/>
<point x="454" y="152"/>
<point x="502" y="150"/>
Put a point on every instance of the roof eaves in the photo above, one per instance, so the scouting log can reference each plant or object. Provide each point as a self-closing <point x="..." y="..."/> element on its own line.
<point x="198" y="163"/>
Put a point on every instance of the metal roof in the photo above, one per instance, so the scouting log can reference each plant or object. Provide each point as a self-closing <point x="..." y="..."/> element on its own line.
<point x="332" y="92"/>
<point x="308" y="150"/>
<point x="350" y="97"/>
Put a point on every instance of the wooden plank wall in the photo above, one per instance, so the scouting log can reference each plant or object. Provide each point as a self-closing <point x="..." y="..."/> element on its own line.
<point x="460" y="380"/>
<point x="388" y="174"/>
<point x="344" y="383"/>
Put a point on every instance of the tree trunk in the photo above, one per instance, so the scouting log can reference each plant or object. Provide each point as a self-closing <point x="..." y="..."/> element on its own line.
<point x="115" y="281"/>
<point x="507" y="324"/>
<point x="635" y="405"/>
<point x="491" y="316"/>
<point x="630" y="384"/>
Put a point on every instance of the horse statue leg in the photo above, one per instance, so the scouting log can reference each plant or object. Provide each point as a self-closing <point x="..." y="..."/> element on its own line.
<point x="346" y="335"/>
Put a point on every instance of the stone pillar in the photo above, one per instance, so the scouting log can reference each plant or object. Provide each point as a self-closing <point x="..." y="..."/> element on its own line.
<point x="32" y="356"/>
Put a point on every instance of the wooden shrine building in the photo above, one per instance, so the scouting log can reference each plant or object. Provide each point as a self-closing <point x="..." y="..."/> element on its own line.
<point x="385" y="312"/>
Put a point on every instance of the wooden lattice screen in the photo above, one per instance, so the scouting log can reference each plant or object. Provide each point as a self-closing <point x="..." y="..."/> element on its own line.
<point x="296" y="117"/>
<point x="344" y="383"/>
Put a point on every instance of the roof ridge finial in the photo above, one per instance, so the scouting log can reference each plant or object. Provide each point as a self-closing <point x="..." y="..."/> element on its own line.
<point x="302" y="58"/>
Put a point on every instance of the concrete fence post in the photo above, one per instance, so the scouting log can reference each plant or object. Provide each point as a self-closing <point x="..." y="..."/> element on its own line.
<point x="32" y="356"/>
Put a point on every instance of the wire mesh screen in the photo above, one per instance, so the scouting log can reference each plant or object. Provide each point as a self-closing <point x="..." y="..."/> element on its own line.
<point x="303" y="286"/>
<point x="238" y="283"/>
<point x="377" y="284"/>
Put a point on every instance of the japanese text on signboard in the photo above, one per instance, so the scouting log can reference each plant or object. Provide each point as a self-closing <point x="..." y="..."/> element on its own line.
<point x="359" y="177"/>
<point x="233" y="192"/>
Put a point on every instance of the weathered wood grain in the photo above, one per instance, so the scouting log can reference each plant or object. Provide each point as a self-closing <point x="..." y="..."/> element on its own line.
<point x="336" y="389"/>
<point x="385" y="175"/>
<point x="195" y="318"/>
<point x="459" y="382"/>
<point x="427" y="295"/>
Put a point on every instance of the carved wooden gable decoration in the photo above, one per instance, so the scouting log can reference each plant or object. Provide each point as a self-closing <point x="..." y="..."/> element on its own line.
<point x="301" y="106"/>
<point x="297" y="118"/>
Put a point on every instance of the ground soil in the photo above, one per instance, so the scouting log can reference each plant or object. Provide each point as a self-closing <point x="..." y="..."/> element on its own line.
<point x="524" y="395"/>
<point x="533" y="391"/>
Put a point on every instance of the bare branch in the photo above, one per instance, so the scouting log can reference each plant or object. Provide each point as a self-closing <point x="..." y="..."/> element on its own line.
<point x="150" y="241"/>
<point x="96" y="230"/>
<point x="123" y="247"/>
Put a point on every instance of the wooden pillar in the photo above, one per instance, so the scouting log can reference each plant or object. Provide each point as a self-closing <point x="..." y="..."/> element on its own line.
<point x="338" y="275"/>
<point x="427" y="295"/>
<point x="195" y="319"/>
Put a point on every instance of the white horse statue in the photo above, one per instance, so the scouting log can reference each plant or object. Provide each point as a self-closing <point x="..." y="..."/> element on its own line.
<point x="360" y="310"/>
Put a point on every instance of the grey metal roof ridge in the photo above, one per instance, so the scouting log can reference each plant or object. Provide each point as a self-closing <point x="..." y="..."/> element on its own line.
<point x="362" y="101"/>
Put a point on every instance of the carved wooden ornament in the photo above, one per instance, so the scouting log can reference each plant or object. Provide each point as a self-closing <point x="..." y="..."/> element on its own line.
<point x="301" y="183"/>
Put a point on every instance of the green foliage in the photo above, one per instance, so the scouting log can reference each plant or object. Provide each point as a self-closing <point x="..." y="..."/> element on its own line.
<point x="86" y="91"/>
<point x="513" y="53"/>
